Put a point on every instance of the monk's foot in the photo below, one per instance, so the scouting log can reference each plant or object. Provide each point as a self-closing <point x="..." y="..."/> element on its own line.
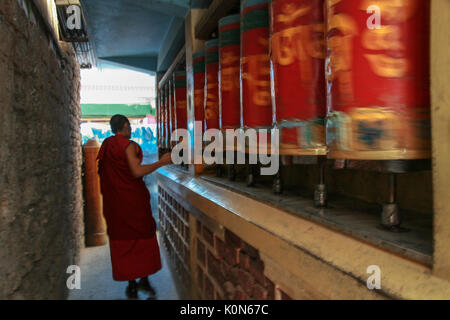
<point x="145" y="285"/>
<point x="132" y="292"/>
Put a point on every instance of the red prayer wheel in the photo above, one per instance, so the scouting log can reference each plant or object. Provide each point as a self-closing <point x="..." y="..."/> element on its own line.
<point x="95" y="227"/>
<point x="199" y="86"/>
<point x="172" y="110"/>
<point x="162" y="116"/>
<point x="212" y="85"/>
<point x="229" y="75"/>
<point x="166" y="116"/>
<point x="255" y="64"/>
<point x="158" y="119"/>
<point x="181" y="100"/>
<point x="378" y="80"/>
<point x="298" y="60"/>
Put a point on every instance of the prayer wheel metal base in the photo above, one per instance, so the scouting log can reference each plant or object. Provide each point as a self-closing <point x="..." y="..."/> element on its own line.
<point x="277" y="186"/>
<point x="219" y="170"/>
<point x="320" y="196"/>
<point x="231" y="172"/>
<point x="321" y="192"/>
<point x="390" y="216"/>
<point x="251" y="175"/>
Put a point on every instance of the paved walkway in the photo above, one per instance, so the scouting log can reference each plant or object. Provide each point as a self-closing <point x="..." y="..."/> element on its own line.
<point x="97" y="282"/>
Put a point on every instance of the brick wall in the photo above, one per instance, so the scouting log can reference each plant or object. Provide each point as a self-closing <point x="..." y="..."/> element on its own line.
<point x="223" y="267"/>
<point x="175" y="235"/>
<point x="230" y="269"/>
<point x="40" y="159"/>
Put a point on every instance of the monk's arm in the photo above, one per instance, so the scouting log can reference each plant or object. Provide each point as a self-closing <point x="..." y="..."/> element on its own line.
<point x="137" y="169"/>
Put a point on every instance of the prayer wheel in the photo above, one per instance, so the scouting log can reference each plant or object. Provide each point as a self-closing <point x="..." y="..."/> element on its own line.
<point x="212" y="84"/>
<point x="181" y="100"/>
<point x="199" y="86"/>
<point x="172" y="109"/>
<point x="255" y="64"/>
<point x="95" y="227"/>
<point x="158" y="120"/>
<point x="378" y="79"/>
<point x="298" y="60"/>
<point x="166" y="116"/>
<point x="162" y="116"/>
<point x="229" y="75"/>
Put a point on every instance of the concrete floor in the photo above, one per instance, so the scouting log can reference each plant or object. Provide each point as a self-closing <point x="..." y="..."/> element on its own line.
<point x="97" y="282"/>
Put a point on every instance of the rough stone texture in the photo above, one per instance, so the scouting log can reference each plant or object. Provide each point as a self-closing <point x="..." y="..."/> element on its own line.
<point x="41" y="206"/>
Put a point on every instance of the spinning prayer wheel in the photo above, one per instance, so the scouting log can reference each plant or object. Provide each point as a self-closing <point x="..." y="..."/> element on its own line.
<point x="172" y="108"/>
<point x="199" y="86"/>
<point x="180" y="100"/>
<point x="95" y="227"/>
<point x="212" y="84"/>
<point x="255" y="64"/>
<point x="298" y="60"/>
<point x="166" y="116"/>
<point x="162" y="114"/>
<point x="378" y="80"/>
<point x="158" y="120"/>
<point x="229" y="76"/>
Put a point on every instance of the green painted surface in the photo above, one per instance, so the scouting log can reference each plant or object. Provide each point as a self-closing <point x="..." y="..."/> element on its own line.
<point x="108" y="110"/>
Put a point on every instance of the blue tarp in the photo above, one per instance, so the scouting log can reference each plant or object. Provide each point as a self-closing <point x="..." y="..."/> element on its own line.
<point x="142" y="134"/>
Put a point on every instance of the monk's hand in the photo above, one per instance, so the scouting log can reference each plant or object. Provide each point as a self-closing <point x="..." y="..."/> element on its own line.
<point x="166" y="159"/>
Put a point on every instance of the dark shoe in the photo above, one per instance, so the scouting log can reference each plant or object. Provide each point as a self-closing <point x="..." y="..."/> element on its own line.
<point x="132" y="292"/>
<point x="145" y="285"/>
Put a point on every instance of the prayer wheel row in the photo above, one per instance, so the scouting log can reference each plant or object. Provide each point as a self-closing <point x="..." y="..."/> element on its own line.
<point x="325" y="74"/>
<point x="172" y="111"/>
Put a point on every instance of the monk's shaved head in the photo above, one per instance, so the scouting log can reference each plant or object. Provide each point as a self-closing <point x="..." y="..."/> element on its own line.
<point x="117" y="123"/>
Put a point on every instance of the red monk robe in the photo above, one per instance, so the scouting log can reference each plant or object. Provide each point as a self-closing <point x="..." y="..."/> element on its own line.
<point x="126" y="208"/>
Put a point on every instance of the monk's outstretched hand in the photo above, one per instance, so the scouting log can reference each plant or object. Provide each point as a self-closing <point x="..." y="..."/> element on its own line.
<point x="166" y="159"/>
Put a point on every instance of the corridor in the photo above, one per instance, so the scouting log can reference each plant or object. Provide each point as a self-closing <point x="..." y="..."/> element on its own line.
<point x="346" y="101"/>
<point x="97" y="283"/>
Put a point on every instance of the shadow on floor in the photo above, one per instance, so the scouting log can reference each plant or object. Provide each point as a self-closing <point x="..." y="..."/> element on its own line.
<point x="97" y="282"/>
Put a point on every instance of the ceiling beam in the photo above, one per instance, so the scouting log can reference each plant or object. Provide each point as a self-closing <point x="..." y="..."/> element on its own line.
<point x="172" y="67"/>
<point x="217" y="10"/>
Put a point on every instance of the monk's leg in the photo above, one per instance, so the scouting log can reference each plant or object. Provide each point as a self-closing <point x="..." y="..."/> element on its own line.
<point x="131" y="291"/>
<point x="144" y="284"/>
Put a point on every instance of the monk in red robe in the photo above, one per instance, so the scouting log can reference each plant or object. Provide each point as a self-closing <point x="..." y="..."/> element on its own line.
<point x="126" y="207"/>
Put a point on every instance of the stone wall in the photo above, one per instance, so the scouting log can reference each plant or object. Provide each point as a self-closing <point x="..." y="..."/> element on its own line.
<point x="40" y="158"/>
